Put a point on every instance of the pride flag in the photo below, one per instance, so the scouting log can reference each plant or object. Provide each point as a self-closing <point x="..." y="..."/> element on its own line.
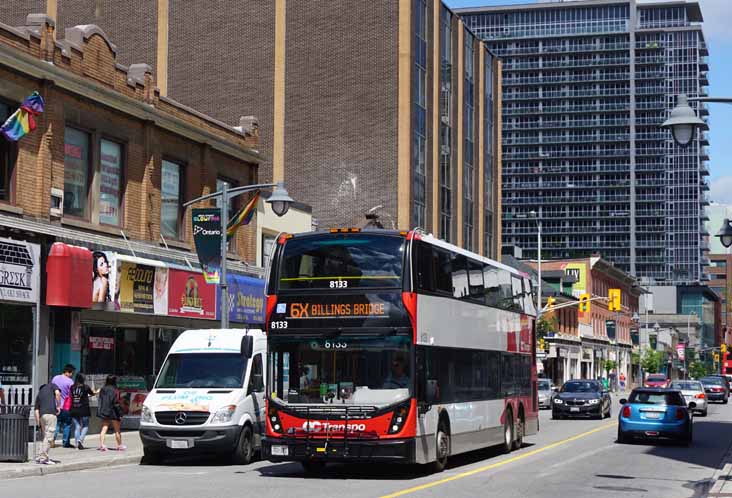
<point x="243" y="217"/>
<point x="22" y="121"/>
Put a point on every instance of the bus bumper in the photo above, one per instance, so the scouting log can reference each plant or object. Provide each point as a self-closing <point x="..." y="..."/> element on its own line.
<point x="338" y="450"/>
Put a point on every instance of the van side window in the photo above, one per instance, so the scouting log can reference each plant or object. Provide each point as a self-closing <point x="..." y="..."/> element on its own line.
<point x="256" y="376"/>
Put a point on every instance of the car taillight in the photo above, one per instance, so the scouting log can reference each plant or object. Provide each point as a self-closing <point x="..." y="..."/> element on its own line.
<point x="700" y="396"/>
<point x="626" y="411"/>
<point x="680" y="414"/>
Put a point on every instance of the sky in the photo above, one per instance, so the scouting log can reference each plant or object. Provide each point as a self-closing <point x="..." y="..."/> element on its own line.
<point x="718" y="33"/>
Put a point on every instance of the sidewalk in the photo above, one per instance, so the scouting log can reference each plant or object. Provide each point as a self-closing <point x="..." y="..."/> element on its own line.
<point x="72" y="459"/>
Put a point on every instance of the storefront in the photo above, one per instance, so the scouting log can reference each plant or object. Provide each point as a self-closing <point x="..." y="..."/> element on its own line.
<point x="134" y="311"/>
<point x="19" y="293"/>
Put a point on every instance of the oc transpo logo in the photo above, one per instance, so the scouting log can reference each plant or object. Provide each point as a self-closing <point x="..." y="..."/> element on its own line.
<point x="315" y="426"/>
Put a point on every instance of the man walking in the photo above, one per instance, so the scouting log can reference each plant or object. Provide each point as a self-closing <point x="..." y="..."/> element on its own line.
<point x="46" y="410"/>
<point x="64" y="382"/>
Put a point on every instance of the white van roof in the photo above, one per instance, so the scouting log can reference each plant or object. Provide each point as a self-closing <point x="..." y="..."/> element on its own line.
<point x="213" y="340"/>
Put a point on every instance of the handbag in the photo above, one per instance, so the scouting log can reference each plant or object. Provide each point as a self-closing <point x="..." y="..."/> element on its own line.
<point x="67" y="403"/>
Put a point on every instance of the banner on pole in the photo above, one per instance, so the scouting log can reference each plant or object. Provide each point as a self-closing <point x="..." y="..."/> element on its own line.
<point x="207" y="237"/>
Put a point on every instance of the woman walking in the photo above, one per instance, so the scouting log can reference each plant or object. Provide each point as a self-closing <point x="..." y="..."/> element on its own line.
<point x="110" y="411"/>
<point x="80" y="411"/>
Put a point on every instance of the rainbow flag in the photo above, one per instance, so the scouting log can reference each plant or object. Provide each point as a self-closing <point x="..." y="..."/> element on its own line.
<point x="243" y="217"/>
<point x="22" y="121"/>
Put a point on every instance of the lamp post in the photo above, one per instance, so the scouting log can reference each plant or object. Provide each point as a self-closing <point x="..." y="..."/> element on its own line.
<point x="535" y="215"/>
<point x="683" y="121"/>
<point x="280" y="201"/>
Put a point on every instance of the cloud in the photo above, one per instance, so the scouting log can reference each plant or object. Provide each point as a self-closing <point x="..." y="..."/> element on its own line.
<point x="721" y="190"/>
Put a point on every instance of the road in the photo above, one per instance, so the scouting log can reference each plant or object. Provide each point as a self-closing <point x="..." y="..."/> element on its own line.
<point x="569" y="458"/>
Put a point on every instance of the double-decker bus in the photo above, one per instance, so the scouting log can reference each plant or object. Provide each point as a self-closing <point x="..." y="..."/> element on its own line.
<point x="394" y="346"/>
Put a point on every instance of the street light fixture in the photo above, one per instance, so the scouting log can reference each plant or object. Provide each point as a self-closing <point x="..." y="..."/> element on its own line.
<point x="533" y="214"/>
<point x="683" y="121"/>
<point x="725" y="234"/>
<point x="280" y="202"/>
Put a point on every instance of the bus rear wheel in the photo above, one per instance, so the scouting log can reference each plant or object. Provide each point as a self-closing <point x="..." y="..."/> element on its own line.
<point x="442" y="449"/>
<point x="508" y="432"/>
<point x="520" y="429"/>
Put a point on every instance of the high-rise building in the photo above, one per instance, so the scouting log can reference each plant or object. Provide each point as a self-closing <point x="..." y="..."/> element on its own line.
<point x="586" y="85"/>
<point x="387" y="106"/>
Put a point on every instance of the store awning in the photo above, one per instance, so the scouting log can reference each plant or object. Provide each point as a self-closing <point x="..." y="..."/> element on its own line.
<point x="69" y="270"/>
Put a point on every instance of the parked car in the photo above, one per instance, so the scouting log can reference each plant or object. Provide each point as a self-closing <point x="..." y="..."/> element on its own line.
<point x="655" y="413"/>
<point x="582" y="398"/>
<point x="693" y="391"/>
<point x="546" y="390"/>
<point x="715" y="388"/>
<point x="656" y="380"/>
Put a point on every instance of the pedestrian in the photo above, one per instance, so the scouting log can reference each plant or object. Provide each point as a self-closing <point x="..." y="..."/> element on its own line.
<point x="110" y="411"/>
<point x="46" y="410"/>
<point x="622" y="382"/>
<point x="605" y="383"/>
<point x="80" y="411"/>
<point x="63" y="382"/>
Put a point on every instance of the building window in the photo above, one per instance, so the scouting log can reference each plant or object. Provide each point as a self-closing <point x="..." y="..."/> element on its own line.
<point x="469" y="140"/>
<point x="420" y="113"/>
<point x="110" y="187"/>
<point x="8" y="156"/>
<point x="488" y="158"/>
<point x="170" y="188"/>
<point x="445" y="124"/>
<point x="268" y="243"/>
<point x="76" y="172"/>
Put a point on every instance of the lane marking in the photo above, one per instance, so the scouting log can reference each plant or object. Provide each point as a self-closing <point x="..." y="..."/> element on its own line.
<point x="498" y="464"/>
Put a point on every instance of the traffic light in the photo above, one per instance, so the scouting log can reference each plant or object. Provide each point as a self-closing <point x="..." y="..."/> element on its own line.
<point x="723" y="348"/>
<point x="613" y="299"/>
<point x="550" y="303"/>
<point x="716" y="357"/>
<point x="541" y="344"/>
<point x="584" y="304"/>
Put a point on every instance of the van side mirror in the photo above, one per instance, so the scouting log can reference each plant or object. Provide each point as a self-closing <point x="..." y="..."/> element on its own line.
<point x="247" y="346"/>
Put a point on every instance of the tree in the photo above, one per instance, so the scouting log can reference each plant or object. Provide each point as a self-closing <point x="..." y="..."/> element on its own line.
<point x="610" y="365"/>
<point x="651" y="361"/>
<point x="697" y="369"/>
<point x="546" y="325"/>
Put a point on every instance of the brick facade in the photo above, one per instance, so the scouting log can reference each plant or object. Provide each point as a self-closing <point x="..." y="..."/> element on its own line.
<point x="88" y="89"/>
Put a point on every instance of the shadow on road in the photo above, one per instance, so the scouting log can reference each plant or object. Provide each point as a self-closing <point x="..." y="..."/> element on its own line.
<point x="381" y="471"/>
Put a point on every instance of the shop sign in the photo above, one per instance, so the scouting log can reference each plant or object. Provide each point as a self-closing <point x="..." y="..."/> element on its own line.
<point x="189" y="296"/>
<point x="246" y="299"/>
<point x="135" y="287"/>
<point x="19" y="271"/>
<point x="133" y="391"/>
<point x="207" y="237"/>
<point x="103" y="343"/>
<point x="103" y="279"/>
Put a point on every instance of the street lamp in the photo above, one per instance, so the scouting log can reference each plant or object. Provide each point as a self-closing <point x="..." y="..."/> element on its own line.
<point x="280" y="202"/>
<point x="683" y="121"/>
<point x="725" y="234"/>
<point x="688" y="339"/>
<point x="534" y="214"/>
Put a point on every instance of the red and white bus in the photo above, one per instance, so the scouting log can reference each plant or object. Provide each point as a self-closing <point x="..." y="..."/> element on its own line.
<point x="397" y="347"/>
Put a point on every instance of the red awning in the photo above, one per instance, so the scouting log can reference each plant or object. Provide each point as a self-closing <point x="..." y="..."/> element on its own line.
<point x="69" y="271"/>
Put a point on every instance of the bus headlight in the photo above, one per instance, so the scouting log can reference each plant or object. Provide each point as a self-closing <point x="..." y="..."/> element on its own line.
<point x="224" y="415"/>
<point x="146" y="417"/>
<point x="399" y="418"/>
<point x="274" y="420"/>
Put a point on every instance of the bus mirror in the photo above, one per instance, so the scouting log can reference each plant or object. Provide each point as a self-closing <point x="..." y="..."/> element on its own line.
<point x="247" y="346"/>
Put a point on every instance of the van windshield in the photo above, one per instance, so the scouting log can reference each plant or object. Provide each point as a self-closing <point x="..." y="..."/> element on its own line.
<point x="206" y="370"/>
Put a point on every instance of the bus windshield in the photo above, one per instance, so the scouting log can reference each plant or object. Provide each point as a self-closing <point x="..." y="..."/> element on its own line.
<point x="342" y="261"/>
<point x="344" y="370"/>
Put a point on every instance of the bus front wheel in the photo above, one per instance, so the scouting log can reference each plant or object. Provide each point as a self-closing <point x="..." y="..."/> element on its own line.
<point x="442" y="448"/>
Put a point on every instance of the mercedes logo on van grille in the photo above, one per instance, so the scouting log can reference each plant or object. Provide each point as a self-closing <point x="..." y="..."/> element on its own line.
<point x="180" y="418"/>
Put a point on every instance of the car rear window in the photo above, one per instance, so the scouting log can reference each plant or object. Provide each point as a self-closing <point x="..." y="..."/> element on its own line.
<point x="656" y="398"/>
<point x="712" y="380"/>
<point x="656" y="378"/>
<point x="686" y="386"/>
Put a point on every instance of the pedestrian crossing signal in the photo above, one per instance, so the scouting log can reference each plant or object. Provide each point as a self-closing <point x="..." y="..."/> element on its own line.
<point x="541" y="344"/>
<point x="613" y="299"/>
<point x="723" y="348"/>
<point x="584" y="304"/>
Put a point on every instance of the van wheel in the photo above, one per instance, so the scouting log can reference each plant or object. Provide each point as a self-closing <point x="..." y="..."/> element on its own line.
<point x="442" y="449"/>
<point x="150" y="457"/>
<point x="313" y="467"/>
<point x="508" y="432"/>
<point x="244" y="451"/>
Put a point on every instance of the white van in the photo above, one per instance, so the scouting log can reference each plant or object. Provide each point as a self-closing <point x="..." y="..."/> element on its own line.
<point x="208" y="397"/>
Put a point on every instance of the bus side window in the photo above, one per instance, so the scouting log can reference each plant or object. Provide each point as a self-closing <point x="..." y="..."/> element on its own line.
<point x="460" y="288"/>
<point x="518" y="293"/>
<point x="491" y="287"/>
<point x="425" y="266"/>
<point x="475" y="280"/>
<point x="443" y="270"/>
<point x="504" y="282"/>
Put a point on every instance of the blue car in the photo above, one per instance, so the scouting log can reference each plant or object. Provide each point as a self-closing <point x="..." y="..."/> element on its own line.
<point x="655" y="413"/>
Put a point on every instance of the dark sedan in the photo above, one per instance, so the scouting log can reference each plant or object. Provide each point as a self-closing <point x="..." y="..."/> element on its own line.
<point x="581" y="398"/>
<point x="715" y="389"/>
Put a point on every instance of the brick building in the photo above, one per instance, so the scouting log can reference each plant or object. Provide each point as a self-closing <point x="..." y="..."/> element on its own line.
<point x="720" y="272"/>
<point x="105" y="173"/>
<point x="392" y="105"/>
<point x="601" y="334"/>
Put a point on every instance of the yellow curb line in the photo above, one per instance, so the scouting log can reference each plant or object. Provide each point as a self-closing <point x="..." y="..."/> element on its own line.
<point x="498" y="464"/>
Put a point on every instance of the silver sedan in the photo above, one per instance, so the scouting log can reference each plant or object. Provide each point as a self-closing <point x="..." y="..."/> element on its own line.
<point x="546" y="393"/>
<point x="692" y="391"/>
